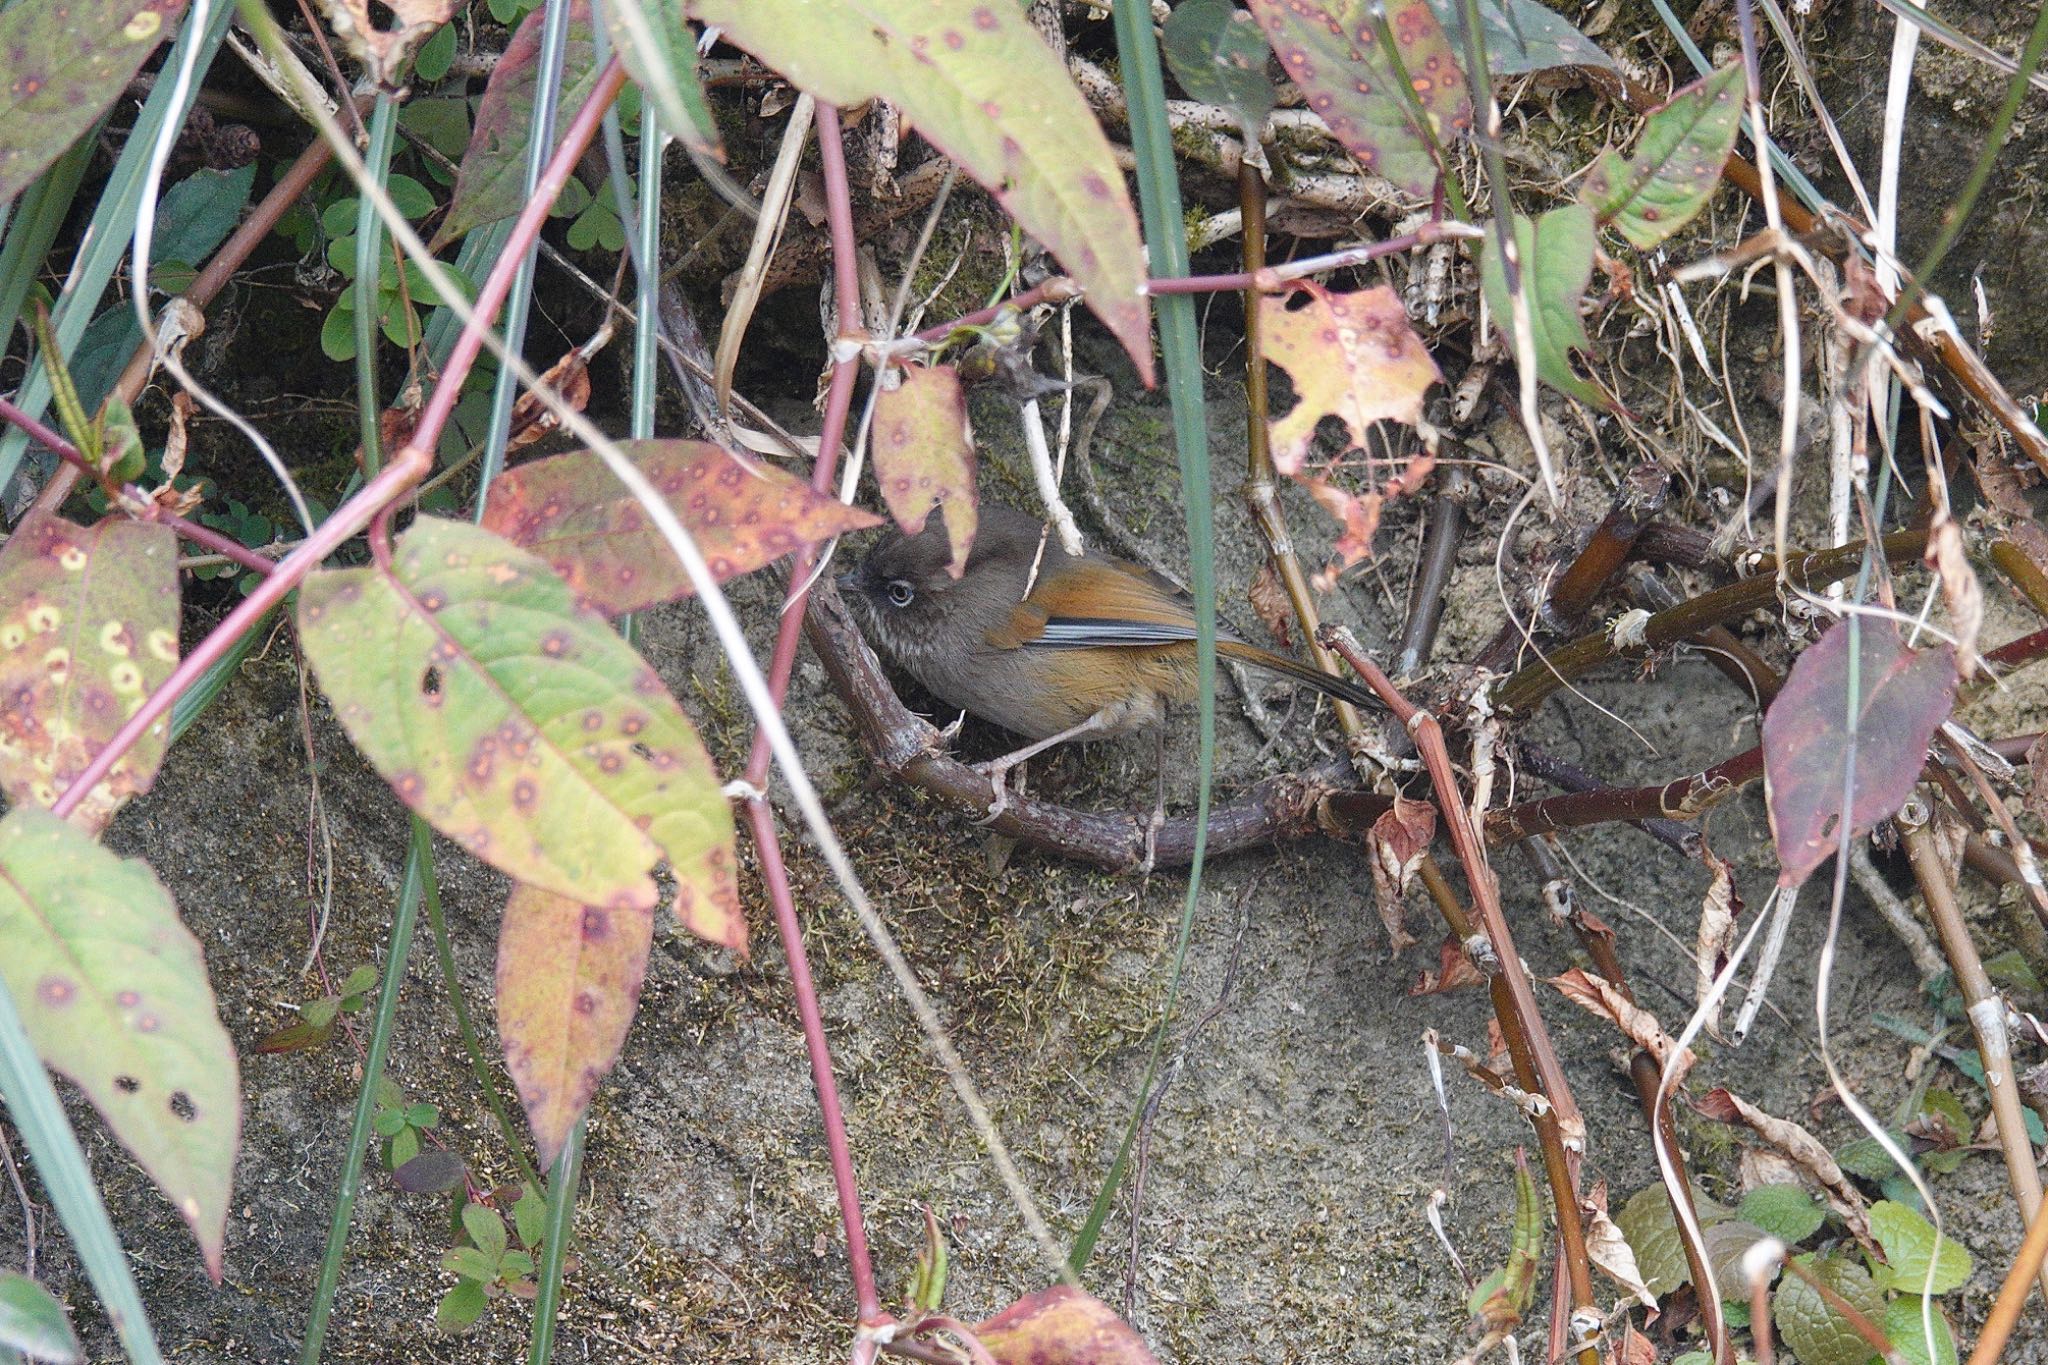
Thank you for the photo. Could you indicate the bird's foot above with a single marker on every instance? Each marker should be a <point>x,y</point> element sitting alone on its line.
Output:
<point>997,771</point>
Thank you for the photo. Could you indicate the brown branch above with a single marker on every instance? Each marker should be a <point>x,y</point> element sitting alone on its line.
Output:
<point>1322,800</point>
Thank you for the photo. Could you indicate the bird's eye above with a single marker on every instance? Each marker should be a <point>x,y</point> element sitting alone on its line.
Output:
<point>901,593</point>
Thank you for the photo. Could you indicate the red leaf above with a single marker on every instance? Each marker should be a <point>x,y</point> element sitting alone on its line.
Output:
<point>1454,971</point>
<point>1062,1326</point>
<point>924,453</point>
<point>569,510</point>
<point>569,977</point>
<point>1810,738</point>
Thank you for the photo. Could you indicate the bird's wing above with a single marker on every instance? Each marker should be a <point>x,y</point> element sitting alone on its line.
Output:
<point>1100,605</point>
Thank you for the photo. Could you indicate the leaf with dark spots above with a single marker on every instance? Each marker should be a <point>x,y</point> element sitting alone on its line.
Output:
<point>1333,50</point>
<point>572,512</point>
<point>1062,1326</point>
<point>1654,193</point>
<point>568,980</point>
<point>1858,707</point>
<point>60,67</point>
<point>924,453</point>
<point>976,79</point>
<point>88,629</point>
<point>546,746</point>
<point>490,183</point>
<point>112,990</point>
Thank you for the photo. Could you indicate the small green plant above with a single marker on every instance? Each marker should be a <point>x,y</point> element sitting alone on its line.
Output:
<point>400,1122</point>
<point>318,1018</point>
<point>486,1264</point>
<point>401,289</point>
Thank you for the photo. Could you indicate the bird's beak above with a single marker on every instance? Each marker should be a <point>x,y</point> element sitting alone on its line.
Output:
<point>848,581</point>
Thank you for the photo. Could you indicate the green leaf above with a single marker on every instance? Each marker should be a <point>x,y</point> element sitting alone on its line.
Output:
<point>1219,57</point>
<point>412,199</point>
<point>1814,1330</point>
<point>435,56</point>
<point>530,1216</point>
<point>1787,1212</point>
<point>360,983</point>
<point>338,330</point>
<point>1866,1156</point>
<point>1677,165</point>
<point>1907,1330</point>
<point>1556,253</point>
<point>516,721</point>
<point>1646,1222</point>
<point>1522,36</point>
<point>470,1264</point>
<point>2011,970</point>
<point>1389,118</point>
<point>491,182</point>
<point>420,1114</point>
<point>977,80</point>
<point>405,1145</point>
<point>660,51</point>
<point>112,989</point>
<point>1909,1242</point>
<point>60,67</point>
<point>486,1229</point>
<point>319,1014</point>
<point>442,123</point>
<point>121,453</point>
<point>460,1308</point>
<point>88,629</point>
<point>196,215</point>
<point>33,1322</point>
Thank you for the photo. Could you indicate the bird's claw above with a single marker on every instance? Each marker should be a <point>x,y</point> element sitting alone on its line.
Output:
<point>997,773</point>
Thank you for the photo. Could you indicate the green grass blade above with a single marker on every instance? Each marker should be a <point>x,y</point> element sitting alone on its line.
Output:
<point>369,272</point>
<point>193,703</point>
<point>647,265</point>
<point>419,869</point>
<point>33,228</point>
<point>1181,352</point>
<point>113,222</point>
<point>554,1247</point>
<point>33,1107</point>
<point>540,144</point>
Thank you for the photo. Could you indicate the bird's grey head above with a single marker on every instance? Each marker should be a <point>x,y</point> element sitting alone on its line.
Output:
<point>915,611</point>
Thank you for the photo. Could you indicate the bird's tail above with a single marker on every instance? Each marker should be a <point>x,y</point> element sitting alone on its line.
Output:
<point>1327,683</point>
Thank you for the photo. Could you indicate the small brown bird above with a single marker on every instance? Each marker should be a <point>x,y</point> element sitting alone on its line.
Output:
<point>1051,646</point>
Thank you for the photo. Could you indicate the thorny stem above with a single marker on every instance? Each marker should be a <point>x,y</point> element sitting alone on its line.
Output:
<point>1561,1129</point>
<point>1260,477</point>
<point>782,662</point>
<point>1687,798</point>
<point>1986,1012</point>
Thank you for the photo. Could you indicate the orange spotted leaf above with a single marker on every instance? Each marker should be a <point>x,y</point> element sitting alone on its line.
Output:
<point>1062,1326</point>
<point>924,453</point>
<point>112,990</point>
<point>88,629</point>
<point>513,719</point>
<point>1332,50</point>
<point>569,977</point>
<point>572,512</point>
<point>1351,356</point>
<point>976,79</point>
<point>1878,715</point>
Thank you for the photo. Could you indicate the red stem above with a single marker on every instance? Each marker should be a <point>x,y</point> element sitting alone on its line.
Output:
<point>190,530</point>
<point>781,663</point>
<point>353,515</point>
<point>405,469</point>
<point>1058,289</point>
